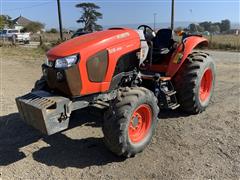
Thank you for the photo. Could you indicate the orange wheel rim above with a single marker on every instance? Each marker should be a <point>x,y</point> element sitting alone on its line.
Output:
<point>206,85</point>
<point>140,123</point>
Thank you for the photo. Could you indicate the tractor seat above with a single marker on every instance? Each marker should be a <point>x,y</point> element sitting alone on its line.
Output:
<point>163,42</point>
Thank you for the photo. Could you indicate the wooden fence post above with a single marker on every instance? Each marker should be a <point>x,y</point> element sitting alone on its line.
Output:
<point>13,40</point>
<point>40,40</point>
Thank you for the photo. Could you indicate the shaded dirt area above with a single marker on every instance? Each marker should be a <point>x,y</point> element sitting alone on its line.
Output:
<point>204,146</point>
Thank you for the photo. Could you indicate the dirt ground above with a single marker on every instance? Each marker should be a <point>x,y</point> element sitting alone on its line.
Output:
<point>204,146</point>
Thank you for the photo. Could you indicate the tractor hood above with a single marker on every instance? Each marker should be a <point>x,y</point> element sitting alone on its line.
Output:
<point>92,42</point>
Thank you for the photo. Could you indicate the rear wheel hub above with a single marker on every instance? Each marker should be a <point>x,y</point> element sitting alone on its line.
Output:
<point>205,85</point>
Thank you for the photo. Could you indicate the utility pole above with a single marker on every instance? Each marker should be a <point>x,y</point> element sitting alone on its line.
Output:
<point>60,20</point>
<point>154,21</point>
<point>172,16</point>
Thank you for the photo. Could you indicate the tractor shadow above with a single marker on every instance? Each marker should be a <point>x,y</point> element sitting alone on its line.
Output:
<point>171,114</point>
<point>65,152</point>
<point>62,150</point>
<point>14,134</point>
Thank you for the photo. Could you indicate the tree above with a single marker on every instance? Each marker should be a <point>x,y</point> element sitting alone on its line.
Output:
<point>89,17</point>
<point>33,27</point>
<point>5,21</point>
<point>195,28</point>
<point>225,25</point>
<point>192,27</point>
<point>178,29</point>
<point>200,28</point>
<point>53,30</point>
<point>206,25</point>
<point>214,28</point>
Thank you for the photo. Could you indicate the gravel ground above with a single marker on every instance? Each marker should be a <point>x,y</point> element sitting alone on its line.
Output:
<point>204,146</point>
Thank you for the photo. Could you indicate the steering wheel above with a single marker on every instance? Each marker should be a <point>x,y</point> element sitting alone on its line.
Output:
<point>148,31</point>
<point>145,27</point>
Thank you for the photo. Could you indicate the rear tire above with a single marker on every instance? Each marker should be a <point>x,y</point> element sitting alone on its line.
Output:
<point>130,121</point>
<point>195,82</point>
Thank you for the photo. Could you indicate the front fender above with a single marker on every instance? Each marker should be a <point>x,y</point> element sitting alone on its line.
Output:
<point>179,56</point>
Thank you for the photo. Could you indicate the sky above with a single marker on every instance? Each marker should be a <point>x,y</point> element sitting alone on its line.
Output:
<point>116,12</point>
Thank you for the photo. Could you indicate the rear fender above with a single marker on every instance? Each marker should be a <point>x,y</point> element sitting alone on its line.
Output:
<point>181,54</point>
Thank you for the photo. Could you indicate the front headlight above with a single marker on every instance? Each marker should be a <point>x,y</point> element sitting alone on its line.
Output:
<point>66,61</point>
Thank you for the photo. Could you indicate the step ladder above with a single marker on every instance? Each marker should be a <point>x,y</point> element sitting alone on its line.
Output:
<point>167,97</point>
<point>164,90</point>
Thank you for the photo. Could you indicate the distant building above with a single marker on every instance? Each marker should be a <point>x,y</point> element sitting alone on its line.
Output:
<point>20,22</point>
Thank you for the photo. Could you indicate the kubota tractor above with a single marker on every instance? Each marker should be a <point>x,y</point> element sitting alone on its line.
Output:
<point>135,72</point>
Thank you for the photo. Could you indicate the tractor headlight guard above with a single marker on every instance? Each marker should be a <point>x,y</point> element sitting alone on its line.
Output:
<point>49,63</point>
<point>66,62</point>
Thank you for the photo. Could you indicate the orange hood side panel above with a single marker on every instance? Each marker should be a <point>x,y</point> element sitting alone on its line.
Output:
<point>114,53</point>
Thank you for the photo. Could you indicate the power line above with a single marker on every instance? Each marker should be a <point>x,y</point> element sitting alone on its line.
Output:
<point>27,7</point>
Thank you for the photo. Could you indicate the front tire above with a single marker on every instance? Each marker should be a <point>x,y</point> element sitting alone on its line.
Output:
<point>195,82</point>
<point>131,121</point>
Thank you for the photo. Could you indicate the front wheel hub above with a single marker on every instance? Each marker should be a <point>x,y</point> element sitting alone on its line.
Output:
<point>140,123</point>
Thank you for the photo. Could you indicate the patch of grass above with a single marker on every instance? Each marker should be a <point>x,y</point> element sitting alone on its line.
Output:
<point>224,42</point>
<point>22,53</point>
<point>47,46</point>
<point>49,37</point>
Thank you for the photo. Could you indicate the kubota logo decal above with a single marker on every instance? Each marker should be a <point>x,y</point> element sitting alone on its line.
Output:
<point>113,50</point>
<point>123,35</point>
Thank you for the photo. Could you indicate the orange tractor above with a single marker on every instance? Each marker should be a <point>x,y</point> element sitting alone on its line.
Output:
<point>134,72</point>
